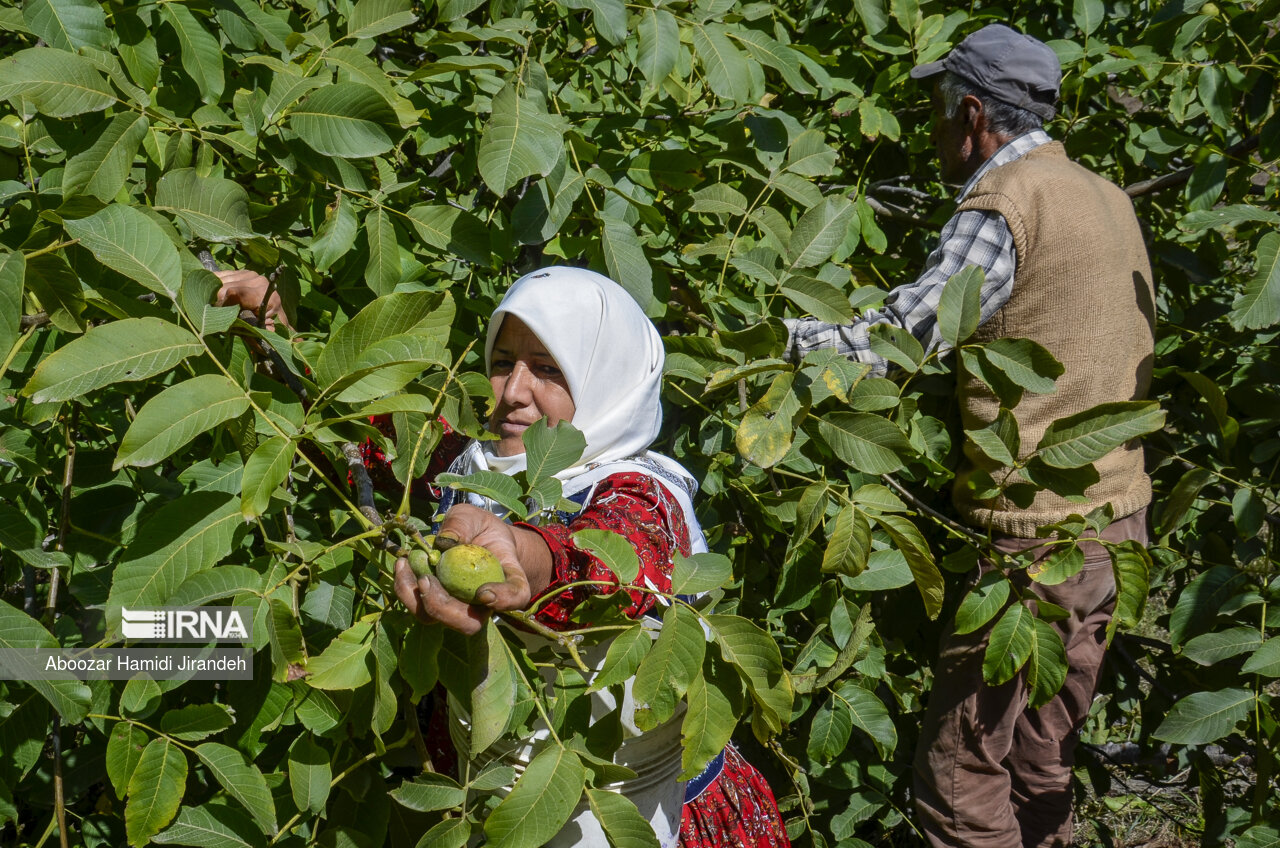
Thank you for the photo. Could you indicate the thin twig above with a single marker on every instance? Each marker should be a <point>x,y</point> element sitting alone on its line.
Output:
<point>909,496</point>
<point>64,516</point>
<point>59,801</point>
<point>691,315</point>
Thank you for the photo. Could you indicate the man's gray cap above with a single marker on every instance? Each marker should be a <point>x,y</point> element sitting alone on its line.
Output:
<point>1014,68</point>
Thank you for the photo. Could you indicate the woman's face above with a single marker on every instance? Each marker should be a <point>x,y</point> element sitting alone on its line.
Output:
<point>527,384</point>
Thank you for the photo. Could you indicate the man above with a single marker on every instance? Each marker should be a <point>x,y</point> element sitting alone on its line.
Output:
<point>1066,266</point>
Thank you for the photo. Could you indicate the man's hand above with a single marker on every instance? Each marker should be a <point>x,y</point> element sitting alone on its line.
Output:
<point>247,290</point>
<point>428,600</point>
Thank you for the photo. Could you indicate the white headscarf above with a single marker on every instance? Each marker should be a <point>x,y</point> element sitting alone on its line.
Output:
<point>608,350</point>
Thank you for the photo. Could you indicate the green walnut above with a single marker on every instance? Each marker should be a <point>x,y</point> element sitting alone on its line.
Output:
<point>420,562</point>
<point>464,568</point>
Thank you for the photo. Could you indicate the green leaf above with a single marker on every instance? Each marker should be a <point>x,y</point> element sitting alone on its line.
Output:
<point>830,731</point>
<point>768,427</point>
<point>1000,440</point>
<point>700,573</point>
<point>264,472</point>
<point>810,155</point>
<point>715,701</point>
<point>719,199</point>
<point>550,450</point>
<point>667,670</point>
<point>309,774</point>
<point>1265,661</point>
<point>385,366</point>
<point>1061,565</point>
<point>124,750</point>
<point>215,584</point>
<point>171,419</point>
<point>1258,306</point>
<point>1090,435</point>
<point>869,714</point>
<point>982,602</point>
<point>181,538</point>
<point>57,83</point>
<point>625,260</point>
<point>1226,216</point>
<point>658,37</point>
<point>1088,15</point>
<point>1209,648</point>
<point>21,633</point>
<point>347,119</point>
<point>914,547</point>
<point>211,825</point>
<point>66,24</point>
<point>521,140</point>
<point>818,298</point>
<point>196,721</point>
<point>540,803</point>
<point>819,232</point>
<point>12,271</point>
<point>727,72</point>
<point>201,54</point>
<point>370,18</point>
<point>242,780</point>
<point>609,17</point>
<point>627,650</point>
<point>613,551</point>
<point>960,308</point>
<point>493,694</point>
<point>155,790</point>
<point>867,442</point>
<point>428,793</point>
<point>756,656</point>
<point>1204,717</point>
<point>215,209</point>
<point>848,542</point>
<point>101,170</point>
<point>450,833</point>
<point>1028,365</point>
<point>346,663</point>
<point>59,291</point>
<point>382,273</point>
<point>452,229</point>
<point>126,240</point>
<point>623,824</point>
<point>1046,665</point>
<point>420,313</point>
<point>1009,645</point>
<point>337,234</point>
<point>493,485</point>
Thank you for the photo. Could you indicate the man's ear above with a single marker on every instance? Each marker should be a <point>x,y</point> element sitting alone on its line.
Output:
<point>974,115</point>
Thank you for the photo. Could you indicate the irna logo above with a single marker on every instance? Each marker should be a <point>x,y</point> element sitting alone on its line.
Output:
<point>207,624</point>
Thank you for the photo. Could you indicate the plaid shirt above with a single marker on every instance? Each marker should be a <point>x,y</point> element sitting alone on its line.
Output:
<point>973,237</point>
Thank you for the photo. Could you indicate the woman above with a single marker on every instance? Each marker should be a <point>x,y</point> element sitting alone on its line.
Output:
<point>572,345</point>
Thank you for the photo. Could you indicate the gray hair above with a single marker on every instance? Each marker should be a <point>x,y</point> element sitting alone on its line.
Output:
<point>1002,118</point>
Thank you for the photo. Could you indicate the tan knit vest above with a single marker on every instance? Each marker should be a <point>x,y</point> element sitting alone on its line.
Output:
<point>1083,290</point>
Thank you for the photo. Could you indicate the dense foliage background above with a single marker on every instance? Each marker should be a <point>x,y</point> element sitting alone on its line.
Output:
<point>396,166</point>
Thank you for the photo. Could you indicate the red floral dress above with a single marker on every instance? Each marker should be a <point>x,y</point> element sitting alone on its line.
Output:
<point>734,809</point>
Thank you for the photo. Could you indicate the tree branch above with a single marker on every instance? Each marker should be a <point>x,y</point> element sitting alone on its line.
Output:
<point>1177,178</point>
<point>364,486</point>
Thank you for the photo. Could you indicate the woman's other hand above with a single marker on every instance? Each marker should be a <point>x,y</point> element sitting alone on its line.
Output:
<point>523,555</point>
<point>247,290</point>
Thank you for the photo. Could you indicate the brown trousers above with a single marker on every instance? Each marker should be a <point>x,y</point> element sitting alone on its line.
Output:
<point>989,771</point>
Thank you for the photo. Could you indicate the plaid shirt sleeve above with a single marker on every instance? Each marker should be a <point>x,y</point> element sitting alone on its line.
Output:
<point>972,237</point>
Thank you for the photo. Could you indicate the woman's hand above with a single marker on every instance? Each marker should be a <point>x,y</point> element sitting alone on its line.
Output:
<point>247,290</point>
<point>523,555</point>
